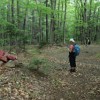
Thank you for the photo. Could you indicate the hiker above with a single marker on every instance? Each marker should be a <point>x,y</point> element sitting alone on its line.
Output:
<point>88,42</point>
<point>5,57</point>
<point>72,54</point>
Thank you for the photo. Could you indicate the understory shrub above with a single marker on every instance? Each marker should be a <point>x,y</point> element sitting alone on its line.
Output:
<point>39,64</point>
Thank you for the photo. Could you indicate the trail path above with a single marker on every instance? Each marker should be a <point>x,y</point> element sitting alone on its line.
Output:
<point>59,83</point>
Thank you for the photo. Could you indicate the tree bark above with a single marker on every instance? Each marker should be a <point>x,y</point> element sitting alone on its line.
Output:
<point>52,23</point>
<point>18,14</point>
<point>47,23</point>
<point>12,9</point>
<point>64,24</point>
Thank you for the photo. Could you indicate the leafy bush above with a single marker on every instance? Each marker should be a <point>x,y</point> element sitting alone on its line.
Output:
<point>98,55</point>
<point>40,65</point>
<point>35,63</point>
<point>42,44</point>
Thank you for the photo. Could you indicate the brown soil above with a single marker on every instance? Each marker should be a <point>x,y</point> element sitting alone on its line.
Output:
<point>58,83</point>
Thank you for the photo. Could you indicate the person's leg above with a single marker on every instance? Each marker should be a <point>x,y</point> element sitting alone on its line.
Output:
<point>74,64</point>
<point>72,60</point>
<point>3,63</point>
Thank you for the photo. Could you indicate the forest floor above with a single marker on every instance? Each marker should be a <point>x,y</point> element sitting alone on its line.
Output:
<point>53,81</point>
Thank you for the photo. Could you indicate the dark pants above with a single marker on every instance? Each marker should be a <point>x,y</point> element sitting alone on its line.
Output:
<point>72,59</point>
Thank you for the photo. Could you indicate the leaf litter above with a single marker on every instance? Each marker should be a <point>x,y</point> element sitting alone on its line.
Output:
<point>21,84</point>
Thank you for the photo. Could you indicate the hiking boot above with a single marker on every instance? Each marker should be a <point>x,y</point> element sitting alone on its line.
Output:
<point>72,70</point>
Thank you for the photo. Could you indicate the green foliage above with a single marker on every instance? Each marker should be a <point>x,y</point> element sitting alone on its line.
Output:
<point>98,40</point>
<point>98,55</point>
<point>42,44</point>
<point>11,28</point>
<point>35,63</point>
<point>39,64</point>
<point>33,50</point>
<point>70,20</point>
<point>35,11</point>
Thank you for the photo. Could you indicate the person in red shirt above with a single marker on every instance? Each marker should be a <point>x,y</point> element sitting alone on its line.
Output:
<point>5,57</point>
<point>72,57</point>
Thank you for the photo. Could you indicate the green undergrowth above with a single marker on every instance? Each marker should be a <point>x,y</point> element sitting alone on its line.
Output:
<point>39,64</point>
<point>34,51</point>
<point>98,55</point>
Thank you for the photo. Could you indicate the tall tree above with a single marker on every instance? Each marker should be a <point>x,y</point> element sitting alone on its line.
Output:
<point>52,23</point>
<point>12,9</point>
<point>25,16</point>
<point>64,24</point>
<point>18,14</point>
<point>47,23</point>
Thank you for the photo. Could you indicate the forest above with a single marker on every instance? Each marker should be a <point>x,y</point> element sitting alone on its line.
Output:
<point>48,21</point>
<point>38,33</point>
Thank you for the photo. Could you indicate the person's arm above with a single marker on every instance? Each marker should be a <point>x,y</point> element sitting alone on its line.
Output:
<point>71,48</point>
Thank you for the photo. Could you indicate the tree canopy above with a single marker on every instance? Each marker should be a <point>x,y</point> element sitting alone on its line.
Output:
<point>48,21</point>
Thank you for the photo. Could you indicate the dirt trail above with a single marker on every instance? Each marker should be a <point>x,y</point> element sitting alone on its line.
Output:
<point>59,83</point>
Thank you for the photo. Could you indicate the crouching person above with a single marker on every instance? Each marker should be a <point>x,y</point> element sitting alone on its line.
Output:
<point>5,57</point>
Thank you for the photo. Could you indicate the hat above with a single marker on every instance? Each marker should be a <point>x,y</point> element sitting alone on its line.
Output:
<point>72,40</point>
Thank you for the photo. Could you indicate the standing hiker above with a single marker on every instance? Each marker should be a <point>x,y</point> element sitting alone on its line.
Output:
<point>74,50</point>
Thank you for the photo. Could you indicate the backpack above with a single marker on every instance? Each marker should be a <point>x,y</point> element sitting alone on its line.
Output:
<point>76,49</point>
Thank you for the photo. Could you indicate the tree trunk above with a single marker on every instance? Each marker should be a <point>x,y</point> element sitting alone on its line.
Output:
<point>24,26</point>
<point>58,14</point>
<point>40,23</point>
<point>8,12</point>
<point>52,23</point>
<point>64,24</point>
<point>18,13</point>
<point>47,23</point>
<point>12,9</point>
<point>40,27</point>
